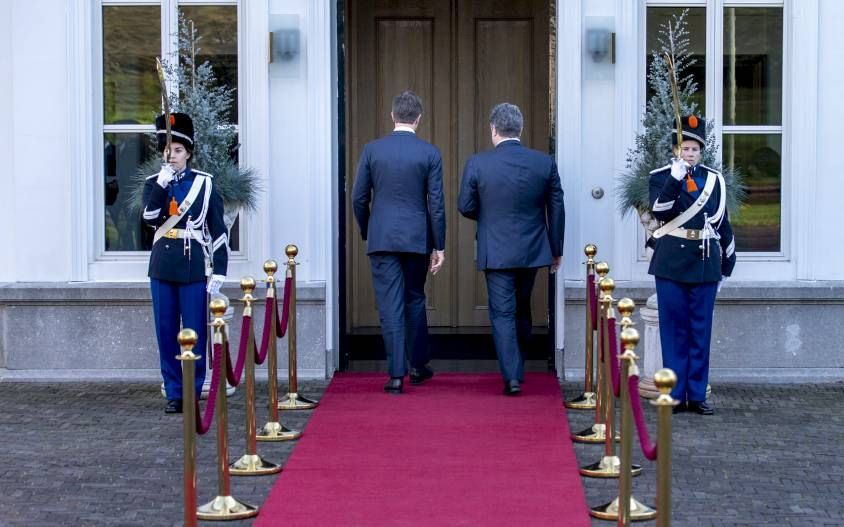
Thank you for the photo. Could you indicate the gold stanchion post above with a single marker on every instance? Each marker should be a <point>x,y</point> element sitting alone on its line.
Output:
<point>596,433</point>
<point>224,506</point>
<point>273,430</point>
<point>250,464</point>
<point>293,400</point>
<point>665,380</point>
<point>609,465</point>
<point>625,508</point>
<point>586,400</point>
<point>187,340</point>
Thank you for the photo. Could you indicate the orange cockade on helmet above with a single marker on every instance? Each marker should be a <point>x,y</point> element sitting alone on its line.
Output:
<point>693,121</point>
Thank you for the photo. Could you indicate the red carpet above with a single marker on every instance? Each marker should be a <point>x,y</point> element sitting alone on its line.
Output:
<point>454,451</point>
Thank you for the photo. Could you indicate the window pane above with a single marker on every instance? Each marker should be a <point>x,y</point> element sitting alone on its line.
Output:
<point>753,65</point>
<point>696,27</point>
<point>123,154</point>
<point>131,41</point>
<point>759,157</point>
<point>217,28</point>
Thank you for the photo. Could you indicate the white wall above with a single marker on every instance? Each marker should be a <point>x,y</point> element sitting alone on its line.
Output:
<point>8,234</point>
<point>829,240</point>
<point>39,120</point>
<point>301,176</point>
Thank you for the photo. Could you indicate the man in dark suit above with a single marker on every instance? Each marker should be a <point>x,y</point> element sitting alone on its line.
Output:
<point>401,175</point>
<point>514,194</point>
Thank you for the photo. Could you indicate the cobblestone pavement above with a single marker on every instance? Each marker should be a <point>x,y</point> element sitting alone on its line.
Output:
<point>106,454</point>
<point>771,455</point>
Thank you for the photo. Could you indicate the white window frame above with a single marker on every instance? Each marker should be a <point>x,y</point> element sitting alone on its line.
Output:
<point>132,265</point>
<point>779,265</point>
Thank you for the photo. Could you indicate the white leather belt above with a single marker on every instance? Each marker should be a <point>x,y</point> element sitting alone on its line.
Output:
<point>688,234</point>
<point>179,234</point>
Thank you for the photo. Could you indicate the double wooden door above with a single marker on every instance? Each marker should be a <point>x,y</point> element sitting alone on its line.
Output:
<point>461,57</point>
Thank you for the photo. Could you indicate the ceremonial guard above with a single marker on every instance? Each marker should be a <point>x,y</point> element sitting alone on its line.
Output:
<point>189,252</point>
<point>694,252</point>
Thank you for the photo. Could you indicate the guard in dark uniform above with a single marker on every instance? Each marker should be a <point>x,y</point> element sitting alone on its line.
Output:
<point>694,252</point>
<point>189,252</point>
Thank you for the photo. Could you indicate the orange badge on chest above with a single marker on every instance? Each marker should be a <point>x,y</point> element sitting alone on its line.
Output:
<point>174,207</point>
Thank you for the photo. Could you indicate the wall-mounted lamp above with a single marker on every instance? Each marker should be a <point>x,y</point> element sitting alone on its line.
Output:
<point>598,48</point>
<point>599,44</point>
<point>284,45</point>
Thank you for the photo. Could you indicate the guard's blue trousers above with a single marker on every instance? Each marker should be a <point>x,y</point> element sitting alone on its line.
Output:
<point>685,332</point>
<point>176,305</point>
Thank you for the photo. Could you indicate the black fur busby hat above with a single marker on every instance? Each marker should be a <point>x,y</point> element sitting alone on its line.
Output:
<point>181,130</point>
<point>693,128</point>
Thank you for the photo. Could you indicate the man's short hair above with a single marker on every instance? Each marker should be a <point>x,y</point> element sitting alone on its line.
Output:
<point>507,120</point>
<point>407,106</point>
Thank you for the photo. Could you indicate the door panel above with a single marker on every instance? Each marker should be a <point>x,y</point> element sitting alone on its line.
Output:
<point>398,46</point>
<point>461,57</point>
<point>503,57</point>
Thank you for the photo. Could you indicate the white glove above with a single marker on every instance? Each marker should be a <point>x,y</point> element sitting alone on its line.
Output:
<point>165,176</point>
<point>215,283</point>
<point>721,283</point>
<point>679,168</point>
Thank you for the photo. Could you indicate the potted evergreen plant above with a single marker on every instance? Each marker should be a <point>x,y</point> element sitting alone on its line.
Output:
<point>199,94</point>
<point>653,144</point>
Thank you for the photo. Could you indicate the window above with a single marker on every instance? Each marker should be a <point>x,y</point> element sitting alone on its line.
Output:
<point>132,37</point>
<point>747,107</point>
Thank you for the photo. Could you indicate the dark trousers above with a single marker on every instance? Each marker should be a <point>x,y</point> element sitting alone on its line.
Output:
<point>685,332</point>
<point>399,283</point>
<point>176,305</point>
<point>509,292</point>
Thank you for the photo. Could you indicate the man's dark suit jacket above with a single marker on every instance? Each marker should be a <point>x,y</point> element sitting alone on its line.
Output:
<point>402,176</point>
<point>514,193</point>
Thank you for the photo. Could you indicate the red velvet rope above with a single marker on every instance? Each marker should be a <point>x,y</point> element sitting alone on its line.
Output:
<point>281,328</point>
<point>269,308</point>
<point>234,375</point>
<point>649,449</point>
<point>613,358</point>
<point>593,300</point>
<point>204,423</point>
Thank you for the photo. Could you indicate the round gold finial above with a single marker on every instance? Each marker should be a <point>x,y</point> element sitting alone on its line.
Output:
<point>626,306</point>
<point>591,250</point>
<point>247,284</point>
<point>602,268</point>
<point>606,285</point>
<point>217,307</point>
<point>270,267</point>
<point>187,338</point>
<point>291,251</point>
<point>665,380</point>
<point>630,338</point>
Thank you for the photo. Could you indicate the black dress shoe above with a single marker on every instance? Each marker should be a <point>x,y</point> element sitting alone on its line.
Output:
<point>680,408</point>
<point>420,375</point>
<point>394,385</point>
<point>174,406</point>
<point>512,387</point>
<point>701,407</point>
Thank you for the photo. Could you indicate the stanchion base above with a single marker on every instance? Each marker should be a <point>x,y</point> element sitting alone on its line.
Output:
<point>294,401</point>
<point>638,511</point>
<point>277,432</point>
<point>594,434</point>
<point>607,467</point>
<point>584,401</point>
<point>226,508</point>
<point>253,465</point>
